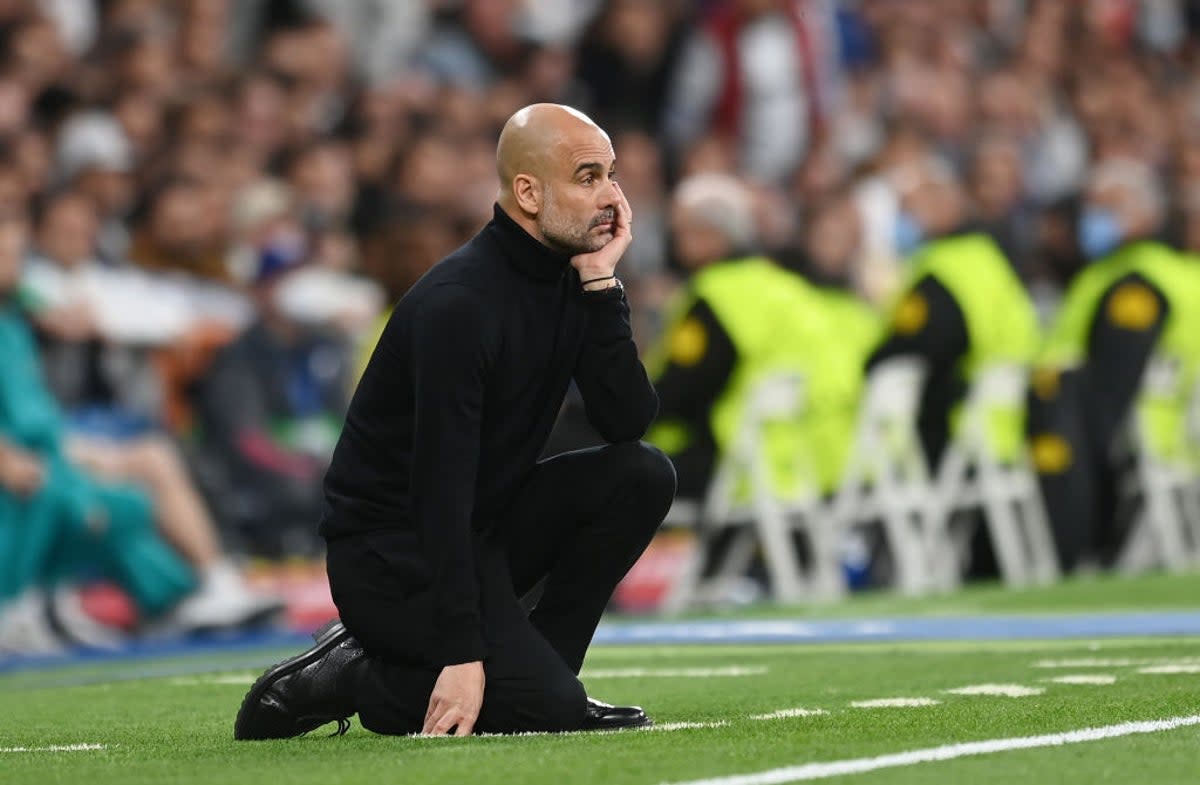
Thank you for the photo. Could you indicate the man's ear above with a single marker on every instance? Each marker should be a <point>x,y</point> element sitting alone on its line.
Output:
<point>527,190</point>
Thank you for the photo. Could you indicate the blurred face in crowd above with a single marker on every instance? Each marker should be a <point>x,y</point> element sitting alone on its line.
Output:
<point>262,113</point>
<point>428,174</point>
<point>933,203</point>
<point>638,29</point>
<point>14,106</point>
<point>1113,211</point>
<point>641,164</point>
<point>140,114</point>
<point>323,178</point>
<point>13,192</point>
<point>114,191</point>
<point>831,240</point>
<point>996,183</point>
<point>149,64</point>
<point>13,238</point>
<point>696,242</point>
<point>67,231</point>
<point>31,152</point>
<point>37,53</point>
<point>492,23</point>
<point>182,222</point>
<point>822,171</point>
<point>713,217</point>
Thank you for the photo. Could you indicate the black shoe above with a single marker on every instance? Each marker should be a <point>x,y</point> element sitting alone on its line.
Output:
<point>602,716</point>
<point>302,693</point>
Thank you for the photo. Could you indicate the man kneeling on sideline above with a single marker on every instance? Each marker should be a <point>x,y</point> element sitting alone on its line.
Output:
<point>439,518</point>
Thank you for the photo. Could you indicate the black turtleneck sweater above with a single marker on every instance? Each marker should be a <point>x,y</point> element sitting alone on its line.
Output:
<point>458,400</point>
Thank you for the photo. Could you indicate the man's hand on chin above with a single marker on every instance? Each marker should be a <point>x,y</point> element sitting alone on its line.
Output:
<point>602,264</point>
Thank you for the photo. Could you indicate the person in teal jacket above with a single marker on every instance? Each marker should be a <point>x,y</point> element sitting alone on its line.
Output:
<point>56,520</point>
<point>59,520</point>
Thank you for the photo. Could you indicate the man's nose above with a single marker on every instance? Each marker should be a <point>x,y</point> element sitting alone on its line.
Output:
<point>608,196</point>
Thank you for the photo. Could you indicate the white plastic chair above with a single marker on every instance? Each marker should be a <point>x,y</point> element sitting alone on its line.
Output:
<point>886,477</point>
<point>1165,531</point>
<point>763,520</point>
<point>971,476</point>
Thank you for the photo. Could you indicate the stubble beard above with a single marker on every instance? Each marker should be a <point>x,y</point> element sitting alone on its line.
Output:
<point>567,237</point>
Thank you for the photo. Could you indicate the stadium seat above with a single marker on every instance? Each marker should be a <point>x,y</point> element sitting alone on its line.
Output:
<point>742,496</point>
<point>977,474</point>
<point>1161,487</point>
<point>886,477</point>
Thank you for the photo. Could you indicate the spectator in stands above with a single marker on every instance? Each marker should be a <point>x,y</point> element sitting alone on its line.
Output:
<point>626,64</point>
<point>93,155</point>
<point>69,509</point>
<point>94,319</point>
<point>751,71</point>
<point>271,405</point>
<point>181,233</point>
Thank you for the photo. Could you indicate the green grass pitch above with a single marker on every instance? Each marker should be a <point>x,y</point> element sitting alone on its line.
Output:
<point>721,710</point>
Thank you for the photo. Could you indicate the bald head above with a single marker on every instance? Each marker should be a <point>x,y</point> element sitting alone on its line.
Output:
<point>556,170</point>
<point>534,135</point>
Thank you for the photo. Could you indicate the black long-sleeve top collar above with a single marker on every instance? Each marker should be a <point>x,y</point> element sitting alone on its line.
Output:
<point>525,252</point>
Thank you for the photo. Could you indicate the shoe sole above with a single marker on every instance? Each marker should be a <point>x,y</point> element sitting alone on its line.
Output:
<point>327,639</point>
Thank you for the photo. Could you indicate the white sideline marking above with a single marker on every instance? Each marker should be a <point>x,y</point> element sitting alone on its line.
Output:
<point>1171,668</point>
<point>675,673</point>
<point>1122,662</point>
<point>788,713</point>
<point>670,726</point>
<point>817,771</point>
<point>1085,678</point>
<point>206,681</point>
<point>1004,690</point>
<point>57,748</point>
<point>894,703</point>
<point>665,727</point>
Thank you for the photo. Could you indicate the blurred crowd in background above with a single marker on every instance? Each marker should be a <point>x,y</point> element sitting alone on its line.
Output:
<point>212,203</point>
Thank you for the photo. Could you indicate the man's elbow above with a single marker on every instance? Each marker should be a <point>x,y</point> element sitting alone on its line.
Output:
<point>631,425</point>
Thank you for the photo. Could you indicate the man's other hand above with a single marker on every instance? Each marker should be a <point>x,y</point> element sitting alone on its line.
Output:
<point>456,700</point>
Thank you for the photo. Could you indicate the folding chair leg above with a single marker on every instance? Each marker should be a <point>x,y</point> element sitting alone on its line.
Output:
<point>1190,504</point>
<point>826,578</point>
<point>1139,552</point>
<point>1002,524</point>
<point>682,593</point>
<point>1163,517</point>
<point>906,543</point>
<point>1043,554</point>
<point>734,564</point>
<point>783,563</point>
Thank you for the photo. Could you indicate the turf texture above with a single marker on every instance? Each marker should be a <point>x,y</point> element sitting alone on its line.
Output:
<point>178,728</point>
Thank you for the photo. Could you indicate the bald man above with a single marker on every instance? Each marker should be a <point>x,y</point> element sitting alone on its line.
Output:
<point>439,519</point>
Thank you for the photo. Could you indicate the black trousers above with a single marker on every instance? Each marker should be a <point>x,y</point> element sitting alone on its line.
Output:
<point>579,524</point>
<point>1080,494</point>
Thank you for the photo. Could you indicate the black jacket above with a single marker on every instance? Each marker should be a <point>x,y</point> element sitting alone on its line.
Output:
<point>459,399</point>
